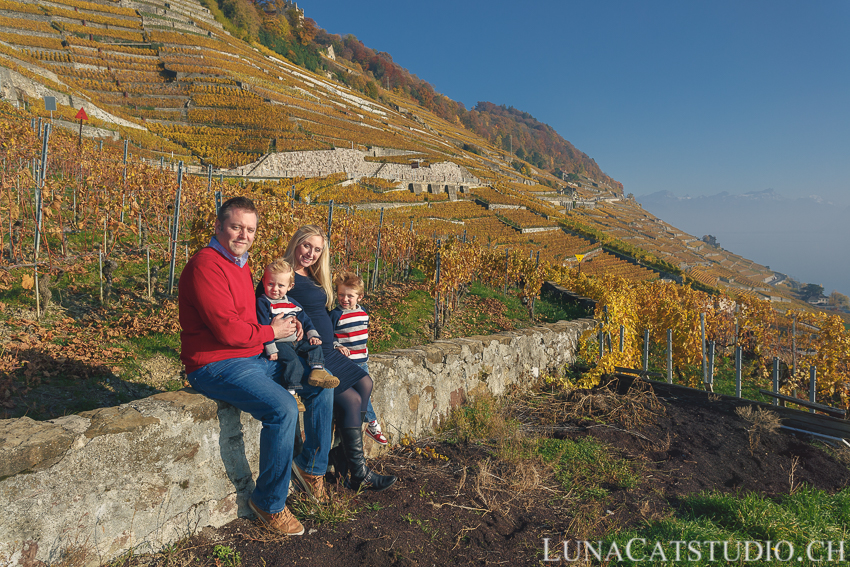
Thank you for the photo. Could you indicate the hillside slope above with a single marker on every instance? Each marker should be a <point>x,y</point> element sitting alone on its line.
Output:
<point>171,79</point>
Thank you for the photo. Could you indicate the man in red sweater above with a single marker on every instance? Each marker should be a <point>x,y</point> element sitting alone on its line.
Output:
<point>222,346</point>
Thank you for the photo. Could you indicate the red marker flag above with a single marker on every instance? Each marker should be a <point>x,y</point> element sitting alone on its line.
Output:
<point>81,115</point>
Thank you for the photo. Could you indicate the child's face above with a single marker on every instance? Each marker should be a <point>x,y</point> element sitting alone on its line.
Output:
<point>276,285</point>
<point>348,297</point>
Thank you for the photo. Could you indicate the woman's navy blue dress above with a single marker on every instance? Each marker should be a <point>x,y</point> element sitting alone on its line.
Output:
<point>313,298</point>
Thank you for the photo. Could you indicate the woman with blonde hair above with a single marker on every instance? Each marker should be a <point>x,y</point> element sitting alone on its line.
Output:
<point>308,254</point>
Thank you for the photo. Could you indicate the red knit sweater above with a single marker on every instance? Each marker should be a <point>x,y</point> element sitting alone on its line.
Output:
<point>218,311</point>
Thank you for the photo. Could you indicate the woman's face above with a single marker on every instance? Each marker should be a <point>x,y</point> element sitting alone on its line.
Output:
<point>309,251</point>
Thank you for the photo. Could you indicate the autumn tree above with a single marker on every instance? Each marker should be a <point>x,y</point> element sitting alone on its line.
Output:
<point>812,291</point>
<point>839,300</point>
<point>243,15</point>
<point>305,28</point>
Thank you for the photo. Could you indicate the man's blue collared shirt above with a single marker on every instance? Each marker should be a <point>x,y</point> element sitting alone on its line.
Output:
<point>238,260</point>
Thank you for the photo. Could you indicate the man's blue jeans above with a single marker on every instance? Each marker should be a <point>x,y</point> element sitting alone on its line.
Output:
<point>318,430</point>
<point>253,385</point>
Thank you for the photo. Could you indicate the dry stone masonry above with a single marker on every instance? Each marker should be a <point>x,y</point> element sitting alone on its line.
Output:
<point>145,474</point>
<point>352,162</point>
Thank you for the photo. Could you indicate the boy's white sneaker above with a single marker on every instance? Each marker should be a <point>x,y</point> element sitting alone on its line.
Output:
<point>373,430</point>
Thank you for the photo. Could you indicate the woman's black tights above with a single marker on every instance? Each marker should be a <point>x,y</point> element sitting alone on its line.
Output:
<point>351,404</point>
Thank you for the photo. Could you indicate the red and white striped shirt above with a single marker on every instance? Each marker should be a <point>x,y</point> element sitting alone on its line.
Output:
<point>351,330</point>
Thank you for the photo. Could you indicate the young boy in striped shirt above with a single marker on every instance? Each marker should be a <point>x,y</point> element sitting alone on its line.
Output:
<point>351,335</point>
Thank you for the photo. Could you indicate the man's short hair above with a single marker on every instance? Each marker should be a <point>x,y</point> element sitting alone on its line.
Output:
<point>243,203</point>
<point>350,279</point>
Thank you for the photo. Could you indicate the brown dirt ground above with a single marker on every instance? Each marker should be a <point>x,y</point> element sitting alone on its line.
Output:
<point>471,511</point>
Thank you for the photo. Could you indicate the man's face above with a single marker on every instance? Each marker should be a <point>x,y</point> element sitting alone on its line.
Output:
<point>237,231</point>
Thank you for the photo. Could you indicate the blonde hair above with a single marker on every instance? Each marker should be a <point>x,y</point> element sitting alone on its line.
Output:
<point>279,266</point>
<point>350,279</point>
<point>320,271</point>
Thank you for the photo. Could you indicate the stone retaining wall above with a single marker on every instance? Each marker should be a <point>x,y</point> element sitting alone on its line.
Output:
<point>144,474</point>
<point>317,163</point>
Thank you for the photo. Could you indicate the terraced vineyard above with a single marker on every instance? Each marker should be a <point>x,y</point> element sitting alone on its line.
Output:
<point>167,77</point>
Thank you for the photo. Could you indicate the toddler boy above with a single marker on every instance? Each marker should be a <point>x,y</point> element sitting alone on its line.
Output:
<point>278,279</point>
<point>351,334</point>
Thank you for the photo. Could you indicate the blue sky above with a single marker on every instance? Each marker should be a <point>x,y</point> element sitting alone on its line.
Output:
<point>692,98</point>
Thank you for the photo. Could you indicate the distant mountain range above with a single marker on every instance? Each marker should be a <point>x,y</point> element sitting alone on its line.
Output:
<point>802,236</point>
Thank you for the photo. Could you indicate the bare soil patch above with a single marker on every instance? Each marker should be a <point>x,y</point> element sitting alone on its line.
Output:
<point>474,510</point>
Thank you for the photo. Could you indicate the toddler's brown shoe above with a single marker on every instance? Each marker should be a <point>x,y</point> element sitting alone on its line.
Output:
<point>321,378</point>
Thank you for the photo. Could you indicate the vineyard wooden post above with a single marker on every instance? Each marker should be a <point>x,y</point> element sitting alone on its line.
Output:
<point>330,220</point>
<point>12,255</point>
<point>124,187</point>
<point>702,344</point>
<point>437,295</point>
<point>536,266</point>
<point>148,261</point>
<point>100,272</point>
<point>738,361</point>
<point>794,346</point>
<point>209,178</point>
<point>377,253</point>
<point>775,379</point>
<point>601,339</point>
<point>217,202</point>
<point>39,186</point>
<point>813,382</point>
<point>175,227</point>
<point>506,272</point>
<point>669,356</point>
<point>646,350</point>
<point>37,298</point>
<point>709,384</point>
<point>622,337</point>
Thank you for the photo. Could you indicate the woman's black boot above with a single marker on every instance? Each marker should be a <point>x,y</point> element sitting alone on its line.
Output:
<point>362,477</point>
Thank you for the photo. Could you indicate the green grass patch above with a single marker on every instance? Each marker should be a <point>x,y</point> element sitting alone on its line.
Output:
<point>481,311</point>
<point>586,467</point>
<point>724,373</point>
<point>807,520</point>
<point>481,418</point>
<point>407,326</point>
<point>550,310</point>
<point>342,508</point>
<point>136,368</point>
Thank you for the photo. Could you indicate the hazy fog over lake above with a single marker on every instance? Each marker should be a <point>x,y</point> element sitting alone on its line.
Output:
<point>806,238</point>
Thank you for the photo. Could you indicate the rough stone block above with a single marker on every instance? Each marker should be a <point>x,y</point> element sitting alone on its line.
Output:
<point>27,445</point>
<point>145,474</point>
